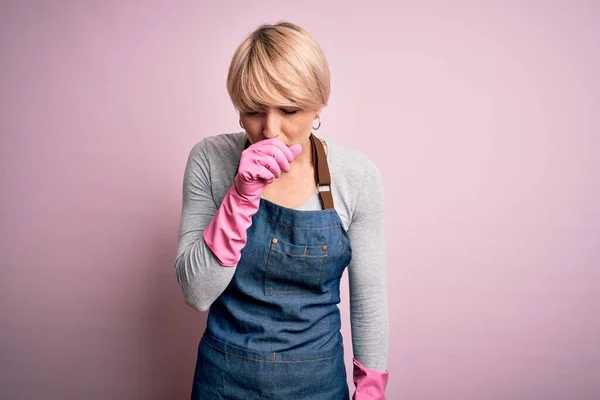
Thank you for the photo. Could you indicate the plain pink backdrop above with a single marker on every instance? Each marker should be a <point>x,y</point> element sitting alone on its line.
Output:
<point>483,118</point>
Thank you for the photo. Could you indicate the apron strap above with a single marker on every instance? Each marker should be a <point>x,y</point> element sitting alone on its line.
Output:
<point>322,175</point>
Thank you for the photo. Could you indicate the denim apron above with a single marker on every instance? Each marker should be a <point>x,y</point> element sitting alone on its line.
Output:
<point>274,333</point>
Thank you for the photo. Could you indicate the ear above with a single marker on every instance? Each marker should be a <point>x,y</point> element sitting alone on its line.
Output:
<point>318,112</point>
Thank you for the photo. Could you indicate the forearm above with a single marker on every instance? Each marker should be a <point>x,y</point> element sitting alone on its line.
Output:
<point>370,327</point>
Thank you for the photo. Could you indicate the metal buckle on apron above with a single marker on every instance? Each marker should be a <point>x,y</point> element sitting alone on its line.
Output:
<point>324,188</point>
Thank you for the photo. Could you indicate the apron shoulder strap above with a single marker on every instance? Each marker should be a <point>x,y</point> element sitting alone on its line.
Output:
<point>322,176</point>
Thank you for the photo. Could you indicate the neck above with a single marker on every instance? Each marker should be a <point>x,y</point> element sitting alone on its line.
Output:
<point>304,159</point>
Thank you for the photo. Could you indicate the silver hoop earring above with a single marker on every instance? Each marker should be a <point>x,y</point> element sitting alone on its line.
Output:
<point>318,126</point>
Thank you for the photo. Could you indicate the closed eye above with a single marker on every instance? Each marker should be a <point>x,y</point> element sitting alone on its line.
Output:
<point>286,111</point>
<point>289,111</point>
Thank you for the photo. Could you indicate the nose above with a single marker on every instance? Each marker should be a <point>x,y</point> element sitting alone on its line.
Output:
<point>271,124</point>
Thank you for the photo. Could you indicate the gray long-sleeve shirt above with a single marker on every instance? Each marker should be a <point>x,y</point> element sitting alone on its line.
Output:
<point>358,196</point>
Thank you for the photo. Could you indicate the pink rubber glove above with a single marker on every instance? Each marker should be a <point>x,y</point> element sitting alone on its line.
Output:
<point>370,384</point>
<point>260,164</point>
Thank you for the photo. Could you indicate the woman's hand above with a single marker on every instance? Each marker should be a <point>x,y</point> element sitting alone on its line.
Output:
<point>261,164</point>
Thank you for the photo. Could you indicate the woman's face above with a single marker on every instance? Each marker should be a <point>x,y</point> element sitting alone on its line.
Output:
<point>291,125</point>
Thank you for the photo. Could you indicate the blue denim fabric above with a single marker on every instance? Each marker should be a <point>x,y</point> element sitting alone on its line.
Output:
<point>274,333</point>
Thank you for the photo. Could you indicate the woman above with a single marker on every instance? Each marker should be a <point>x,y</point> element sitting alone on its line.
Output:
<point>271,218</point>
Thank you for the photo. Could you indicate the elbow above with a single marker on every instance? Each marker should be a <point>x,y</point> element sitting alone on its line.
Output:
<point>190,294</point>
<point>196,303</point>
<point>192,298</point>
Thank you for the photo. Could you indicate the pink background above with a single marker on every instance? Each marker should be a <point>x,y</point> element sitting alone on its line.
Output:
<point>483,118</point>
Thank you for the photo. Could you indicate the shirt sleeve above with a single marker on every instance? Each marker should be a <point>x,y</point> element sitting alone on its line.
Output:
<point>366,273</point>
<point>200,275</point>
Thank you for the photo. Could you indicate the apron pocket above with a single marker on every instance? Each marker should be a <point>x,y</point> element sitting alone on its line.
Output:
<point>294,268</point>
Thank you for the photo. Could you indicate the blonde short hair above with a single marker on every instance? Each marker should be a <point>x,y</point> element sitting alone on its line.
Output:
<point>278,65</point>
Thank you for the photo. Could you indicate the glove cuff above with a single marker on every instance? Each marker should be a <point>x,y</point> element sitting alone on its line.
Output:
<point>370,384</point>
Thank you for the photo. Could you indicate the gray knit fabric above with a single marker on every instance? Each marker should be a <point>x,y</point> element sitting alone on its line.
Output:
<point>357,191</point>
